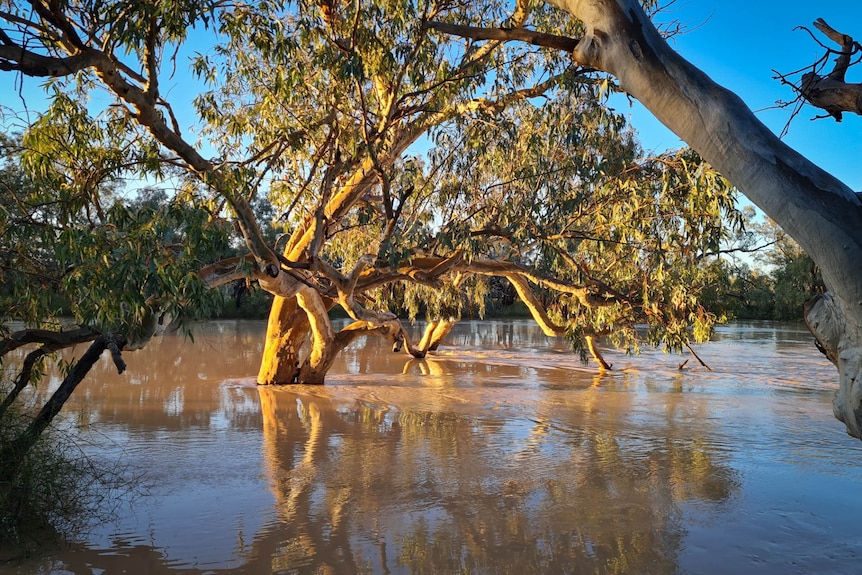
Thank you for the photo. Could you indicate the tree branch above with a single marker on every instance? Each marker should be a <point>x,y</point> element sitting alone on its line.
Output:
<point>564,43</point>
<point>17,59</point>
<point>55,339</point>
<point>848,48</point>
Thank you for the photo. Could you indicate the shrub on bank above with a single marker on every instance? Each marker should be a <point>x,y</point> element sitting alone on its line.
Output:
<point>54,491</point>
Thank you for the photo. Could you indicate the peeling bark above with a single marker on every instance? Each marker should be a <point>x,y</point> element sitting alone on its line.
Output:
<point>826,317</point>
<point>833,96</point>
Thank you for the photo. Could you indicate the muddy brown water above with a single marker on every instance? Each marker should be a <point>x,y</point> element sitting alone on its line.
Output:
<point>502,453</point>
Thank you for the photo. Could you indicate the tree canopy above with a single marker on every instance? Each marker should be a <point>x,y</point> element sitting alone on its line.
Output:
<point>327,110</point>
<point>823,215</point>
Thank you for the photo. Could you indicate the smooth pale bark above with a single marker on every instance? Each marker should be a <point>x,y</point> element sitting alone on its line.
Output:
<point>281,349</point>
<point>435,336</point>
<point>816,209</point>
<point>429,270</point>
<point>540,316</point>
<point>594,351</point>
<point>537,310</point>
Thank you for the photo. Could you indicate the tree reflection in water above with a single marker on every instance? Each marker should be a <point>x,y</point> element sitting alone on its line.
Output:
<point>483,458</point>
<point>385,479</point>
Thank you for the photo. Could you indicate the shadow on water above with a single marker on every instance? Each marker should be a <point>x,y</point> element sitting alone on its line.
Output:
<point>500,454</point>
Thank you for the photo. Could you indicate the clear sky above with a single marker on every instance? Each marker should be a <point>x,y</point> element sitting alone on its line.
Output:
<point>739,44</point>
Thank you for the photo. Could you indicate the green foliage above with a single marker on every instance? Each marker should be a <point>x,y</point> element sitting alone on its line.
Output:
<point>786,280</point>
<point>244,301</point>
<point>796,278</point>
<point>72,245</point>
<point>563,188</point>
<point>303,92</point>
<point>327,110</point>
<point>466,295</point>
<point>54,489</point>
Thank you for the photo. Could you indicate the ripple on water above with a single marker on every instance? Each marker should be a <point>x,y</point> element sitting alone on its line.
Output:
<point>502,455</point>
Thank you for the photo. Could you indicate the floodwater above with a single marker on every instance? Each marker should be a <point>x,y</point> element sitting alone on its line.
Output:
<point>500,454</point>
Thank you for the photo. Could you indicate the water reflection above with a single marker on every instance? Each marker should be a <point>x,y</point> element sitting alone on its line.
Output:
<point>501,453</point>
<point>367,486</point>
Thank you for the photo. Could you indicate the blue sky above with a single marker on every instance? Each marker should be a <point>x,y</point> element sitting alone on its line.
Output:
<point>739,44</point>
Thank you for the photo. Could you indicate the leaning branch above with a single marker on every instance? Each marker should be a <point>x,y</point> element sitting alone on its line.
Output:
<point>848,48</point>
<point>24,376</point>
<point>15,449</point>
<point>54,339</point>
<point>17,59</point>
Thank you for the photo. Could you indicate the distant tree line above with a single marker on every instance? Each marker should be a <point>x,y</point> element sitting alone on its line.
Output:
<point>772,284</point>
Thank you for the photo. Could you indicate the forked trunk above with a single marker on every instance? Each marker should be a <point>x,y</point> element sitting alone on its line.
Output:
<point>434,334</point>
<point>299,345</point>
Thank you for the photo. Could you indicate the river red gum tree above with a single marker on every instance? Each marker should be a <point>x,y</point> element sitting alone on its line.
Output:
<point>318,106</point>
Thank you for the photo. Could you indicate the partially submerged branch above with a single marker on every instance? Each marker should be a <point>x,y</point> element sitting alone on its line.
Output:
<point>16,449</point>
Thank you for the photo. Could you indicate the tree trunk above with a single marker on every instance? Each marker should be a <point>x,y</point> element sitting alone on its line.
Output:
<point>287,330</point>
<point>323,348</point>
<point>823,215</point>
<point>441,330</point>
<point>18,448</point>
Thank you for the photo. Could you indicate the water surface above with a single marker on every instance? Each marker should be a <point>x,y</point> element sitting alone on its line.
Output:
<point>500,454</point>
